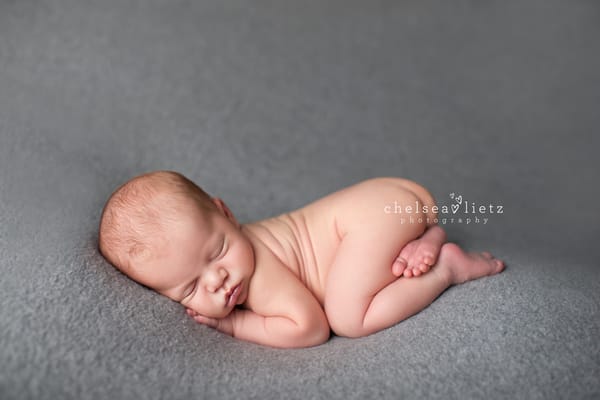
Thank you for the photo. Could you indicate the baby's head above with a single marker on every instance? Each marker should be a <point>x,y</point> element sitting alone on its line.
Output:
<point>166,233</point>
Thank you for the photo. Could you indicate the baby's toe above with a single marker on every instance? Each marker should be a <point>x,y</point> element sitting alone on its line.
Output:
<point>399,266</point>
<point>499,265</point>
<point>424,267</point>
<point>428,259</point>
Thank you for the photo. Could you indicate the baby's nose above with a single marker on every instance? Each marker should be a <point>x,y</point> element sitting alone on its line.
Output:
<point>216,279</point>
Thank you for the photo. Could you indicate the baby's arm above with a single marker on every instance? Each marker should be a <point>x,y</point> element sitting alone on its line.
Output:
<point>282,312</point>
<point>276,331</point>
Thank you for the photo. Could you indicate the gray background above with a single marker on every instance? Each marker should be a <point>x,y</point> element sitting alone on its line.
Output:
<point>271,104</point>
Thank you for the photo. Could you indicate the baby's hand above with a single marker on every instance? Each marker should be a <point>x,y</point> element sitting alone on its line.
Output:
<point>224,325</point>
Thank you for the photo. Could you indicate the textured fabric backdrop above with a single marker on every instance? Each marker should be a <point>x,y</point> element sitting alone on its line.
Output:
<point>272,104</point>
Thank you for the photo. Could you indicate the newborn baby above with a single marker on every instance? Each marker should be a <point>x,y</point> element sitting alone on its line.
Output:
<point>341,263</point>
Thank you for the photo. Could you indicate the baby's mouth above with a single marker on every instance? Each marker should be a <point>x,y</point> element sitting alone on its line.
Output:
<point>232,295</point>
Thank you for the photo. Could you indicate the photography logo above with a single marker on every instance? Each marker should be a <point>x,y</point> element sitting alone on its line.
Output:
<point>460,211</point>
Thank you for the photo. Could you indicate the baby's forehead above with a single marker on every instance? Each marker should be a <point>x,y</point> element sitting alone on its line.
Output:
<point>151,199</point>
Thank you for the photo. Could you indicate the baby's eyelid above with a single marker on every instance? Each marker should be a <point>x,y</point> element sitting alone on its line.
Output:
<point>192,290</point>
<point>219,249</point>
<point>222,250</point>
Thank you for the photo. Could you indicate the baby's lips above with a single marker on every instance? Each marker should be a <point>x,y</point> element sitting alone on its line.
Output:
<point>232,294</point>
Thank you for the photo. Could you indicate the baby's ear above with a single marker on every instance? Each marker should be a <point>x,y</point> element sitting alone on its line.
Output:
<point>224,209</point>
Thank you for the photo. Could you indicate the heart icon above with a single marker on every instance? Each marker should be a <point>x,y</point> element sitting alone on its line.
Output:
<point>458,199</point>
<point>452,195</point>
<point>454,208</point>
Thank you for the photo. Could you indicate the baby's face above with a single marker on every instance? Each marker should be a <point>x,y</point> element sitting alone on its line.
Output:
<point>206,264</point>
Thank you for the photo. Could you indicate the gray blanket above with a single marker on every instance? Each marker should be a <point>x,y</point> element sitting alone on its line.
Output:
<point>270,105</point>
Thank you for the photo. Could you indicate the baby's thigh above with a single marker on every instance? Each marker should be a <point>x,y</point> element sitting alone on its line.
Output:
<point>362,267</point>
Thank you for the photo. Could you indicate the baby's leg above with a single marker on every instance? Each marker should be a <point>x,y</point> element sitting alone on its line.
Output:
<point>418,256</point>
<point>403,298</point>
<point>406,297</point>
<point>363,263</point>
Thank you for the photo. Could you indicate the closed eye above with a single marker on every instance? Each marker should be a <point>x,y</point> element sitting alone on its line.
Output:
<point>221,250</point>
<point>190,291</point>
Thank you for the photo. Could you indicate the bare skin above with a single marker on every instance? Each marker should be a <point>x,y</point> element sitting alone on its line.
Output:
<point>418,256</point>
<point>454,266</point>
<point>346,263</point>
<point>463,266</point>
<point>350,269</point>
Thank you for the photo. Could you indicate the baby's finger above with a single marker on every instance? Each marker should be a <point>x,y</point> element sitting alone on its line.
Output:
<point>191,312</point>
<point>213,323</point>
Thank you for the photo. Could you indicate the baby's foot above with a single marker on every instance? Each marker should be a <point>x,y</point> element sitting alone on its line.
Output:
<point>418,256</point>
<point>462,267</point>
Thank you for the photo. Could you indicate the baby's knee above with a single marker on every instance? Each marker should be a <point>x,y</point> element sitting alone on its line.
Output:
<point>342,324</point>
